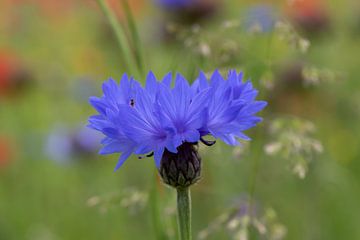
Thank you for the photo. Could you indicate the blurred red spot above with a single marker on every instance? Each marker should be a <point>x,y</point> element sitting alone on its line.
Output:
<point>5,152</point>
<point>14,76</point>
<point>310,15</point>
<point>306,8</point>
<point>7,68</point>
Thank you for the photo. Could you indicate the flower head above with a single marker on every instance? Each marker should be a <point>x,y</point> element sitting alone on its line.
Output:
<point>159,118</point>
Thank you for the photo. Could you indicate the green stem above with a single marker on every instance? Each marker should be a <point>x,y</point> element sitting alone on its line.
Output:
<point>253,185</point>
<point>156,219</point>
<point>134,36</point>
<point>184,213</point>
<point>119,33</point>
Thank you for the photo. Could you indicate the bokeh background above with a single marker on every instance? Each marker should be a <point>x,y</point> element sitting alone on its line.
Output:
<point>299,178</point>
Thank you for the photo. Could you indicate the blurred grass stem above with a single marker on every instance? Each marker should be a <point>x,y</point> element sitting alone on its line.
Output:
<point>156,219</point>
<point>256,165</point>
<point>137,49</point>
<point>120,35</point>
<point>184,213</point>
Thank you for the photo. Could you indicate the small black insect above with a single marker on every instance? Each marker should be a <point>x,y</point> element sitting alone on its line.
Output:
<point>132,102</point>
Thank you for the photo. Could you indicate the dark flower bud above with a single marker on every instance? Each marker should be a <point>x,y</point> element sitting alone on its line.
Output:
<point>181,169</point>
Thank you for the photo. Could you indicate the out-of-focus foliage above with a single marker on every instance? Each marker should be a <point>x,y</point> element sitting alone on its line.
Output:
<point>246,221</point>
<point>292,140</point>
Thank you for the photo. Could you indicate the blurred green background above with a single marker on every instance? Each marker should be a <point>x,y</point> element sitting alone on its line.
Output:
<point>301,171</point>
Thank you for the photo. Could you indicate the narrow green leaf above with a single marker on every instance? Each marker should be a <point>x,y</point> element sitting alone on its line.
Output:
<point>120,36</point>
<point>134,36</point>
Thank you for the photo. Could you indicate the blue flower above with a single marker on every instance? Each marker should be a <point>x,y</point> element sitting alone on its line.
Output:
<point>147,120</point>
<point>261,17</point>
<point>175,4</point>
<point>65,144</point>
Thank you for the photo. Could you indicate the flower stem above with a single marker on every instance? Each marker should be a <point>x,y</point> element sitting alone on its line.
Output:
<point>184,213</point>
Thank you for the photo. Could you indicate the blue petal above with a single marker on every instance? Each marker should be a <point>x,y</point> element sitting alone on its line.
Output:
<point>124,156</point>
<point>166,102</point>
<point>112,147</point>
<point>181,94</point>
<point>110,90</point>
<point>233,78</point>
<point>143,149</point>
<point>171,147</point>
<point>229,139</point>
<point>157,156</point>
<point>192,136</point>
<point>98,104</point>
<point>151,84</point>
<point>111,132</point>
<point>97,122</point>
<point>167,80</point>
<point>216,79</point>
<point>200,83</point>
<point>203,81</point>
<point>255,107</point>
